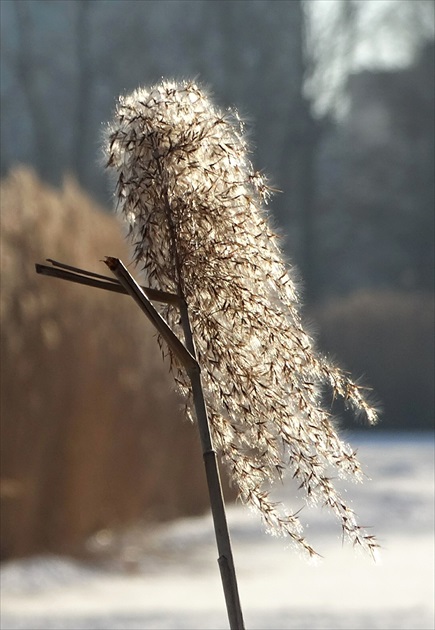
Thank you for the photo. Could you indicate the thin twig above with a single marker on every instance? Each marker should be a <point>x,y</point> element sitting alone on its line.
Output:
<point>83,272</point>
<point>91,279</point>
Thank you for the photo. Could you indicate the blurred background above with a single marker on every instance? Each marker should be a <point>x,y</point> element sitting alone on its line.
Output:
<point>339,100</point>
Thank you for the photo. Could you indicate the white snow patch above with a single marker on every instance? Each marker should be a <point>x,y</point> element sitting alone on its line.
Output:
<point>177,583</point>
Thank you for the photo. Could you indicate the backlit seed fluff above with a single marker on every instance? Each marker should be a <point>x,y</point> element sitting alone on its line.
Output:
<point>199,228</point>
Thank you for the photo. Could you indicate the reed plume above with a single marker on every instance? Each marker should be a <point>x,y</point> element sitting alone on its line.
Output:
<point>198,223</point>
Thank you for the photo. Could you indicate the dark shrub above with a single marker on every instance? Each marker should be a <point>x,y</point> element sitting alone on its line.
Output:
<point>388,339</point>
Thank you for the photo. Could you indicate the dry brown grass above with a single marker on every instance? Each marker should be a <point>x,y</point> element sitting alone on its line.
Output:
<point>92,436</point>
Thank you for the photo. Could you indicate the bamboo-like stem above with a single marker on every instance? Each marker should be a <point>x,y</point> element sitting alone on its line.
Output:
<point>187,356</point>
<point>225,560</point>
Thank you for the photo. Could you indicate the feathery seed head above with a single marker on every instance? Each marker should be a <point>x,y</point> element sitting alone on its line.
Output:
<point>195,207</point>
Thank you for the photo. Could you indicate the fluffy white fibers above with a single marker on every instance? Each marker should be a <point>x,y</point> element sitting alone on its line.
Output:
<point>199,228</point>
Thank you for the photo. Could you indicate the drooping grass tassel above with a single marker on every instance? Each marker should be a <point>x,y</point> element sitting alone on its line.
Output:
<point>198,224</point>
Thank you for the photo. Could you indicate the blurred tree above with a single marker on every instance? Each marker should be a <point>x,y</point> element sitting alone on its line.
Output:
<point>346,37</point>
<point>85,81</point>
<point>302,136</point>
<point>27,66</point>
<point>285,64</point>
<point>377,186</point>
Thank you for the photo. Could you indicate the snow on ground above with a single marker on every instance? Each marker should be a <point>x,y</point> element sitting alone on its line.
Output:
<point>169,578</point>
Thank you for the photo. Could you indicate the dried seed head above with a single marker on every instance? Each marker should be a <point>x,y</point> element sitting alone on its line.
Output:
<point>195,207</point>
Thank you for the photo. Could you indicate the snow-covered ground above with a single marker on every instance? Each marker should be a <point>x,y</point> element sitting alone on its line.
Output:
<point>169,578</point>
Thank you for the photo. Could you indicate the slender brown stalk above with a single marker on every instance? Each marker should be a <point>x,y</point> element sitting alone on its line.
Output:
<point>187,357</point>
<point>225,560</point>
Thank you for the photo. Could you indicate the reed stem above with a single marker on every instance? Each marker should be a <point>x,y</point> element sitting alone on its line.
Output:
<point>187,356</point>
